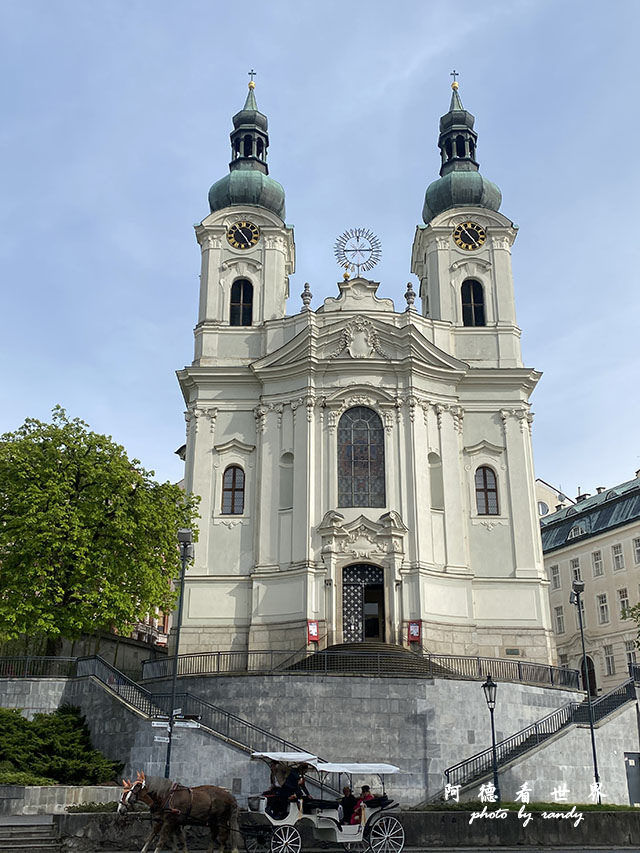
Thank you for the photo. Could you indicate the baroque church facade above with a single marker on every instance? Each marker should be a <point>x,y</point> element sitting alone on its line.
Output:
<point>365,472</point>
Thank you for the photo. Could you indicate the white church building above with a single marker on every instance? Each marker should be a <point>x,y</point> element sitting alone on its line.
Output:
<point>365,470</point>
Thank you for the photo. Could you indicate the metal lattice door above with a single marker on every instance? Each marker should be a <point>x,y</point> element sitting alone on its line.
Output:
<point>355,579</point>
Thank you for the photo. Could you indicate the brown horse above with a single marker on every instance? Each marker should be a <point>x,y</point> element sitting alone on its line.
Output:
<point>174,805</point>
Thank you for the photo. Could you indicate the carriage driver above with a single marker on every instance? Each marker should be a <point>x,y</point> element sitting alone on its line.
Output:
<point>293,788</point>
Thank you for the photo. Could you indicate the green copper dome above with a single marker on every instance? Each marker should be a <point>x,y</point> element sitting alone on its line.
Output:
<point>460,189</point>
<point>247,187</point>
<point>248,181</point>
<point>460,183</point>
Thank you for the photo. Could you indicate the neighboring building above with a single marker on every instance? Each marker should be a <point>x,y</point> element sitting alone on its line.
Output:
<point>598,540</point>
<point>364,471</point>
<point>549,499</point>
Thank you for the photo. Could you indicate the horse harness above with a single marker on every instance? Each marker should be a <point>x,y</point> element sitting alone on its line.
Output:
<point>168,803</point>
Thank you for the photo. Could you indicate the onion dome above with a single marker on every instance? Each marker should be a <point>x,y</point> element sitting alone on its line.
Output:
<point>248,181</point>
<point>460,183</point>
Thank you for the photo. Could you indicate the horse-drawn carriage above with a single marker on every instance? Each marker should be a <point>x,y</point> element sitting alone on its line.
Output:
<point>377,827</point>
<point>271,829</point>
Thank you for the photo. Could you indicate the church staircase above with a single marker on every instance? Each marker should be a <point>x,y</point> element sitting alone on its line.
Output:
<point>370,657</point>
<point>29,834</point>
<point>478,767</point>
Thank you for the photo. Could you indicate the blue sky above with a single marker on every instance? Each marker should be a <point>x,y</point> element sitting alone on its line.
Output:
<point>116,119</point>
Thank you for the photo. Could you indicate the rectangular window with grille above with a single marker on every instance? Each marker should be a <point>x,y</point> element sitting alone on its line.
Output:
<point>575,569</point>
<point>603,608</point>
<point>623,601</point>
<point>563,660</point>
<point>609,661</point>
<point>618,557</point>
<point>554,573</point>
<point>636,551</point>
<point>559,616</point>
<point>630,651</point>
<point>597,563</point>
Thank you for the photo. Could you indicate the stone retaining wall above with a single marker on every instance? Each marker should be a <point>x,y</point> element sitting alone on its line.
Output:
<point>91,832</point>
<point>52,799</point>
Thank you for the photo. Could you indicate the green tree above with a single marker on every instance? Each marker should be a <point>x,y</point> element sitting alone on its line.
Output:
<point>87,537</point>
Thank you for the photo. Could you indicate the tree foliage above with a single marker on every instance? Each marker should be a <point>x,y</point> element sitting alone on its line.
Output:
<point>53,748</point>
<point>87,537</point>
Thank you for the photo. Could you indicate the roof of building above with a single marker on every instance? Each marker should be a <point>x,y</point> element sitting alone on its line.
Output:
<point>610,509</point>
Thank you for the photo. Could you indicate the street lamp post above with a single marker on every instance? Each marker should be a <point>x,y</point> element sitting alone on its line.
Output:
<point>185,538</point>
<point>577,589</point>
<point>490,688</point>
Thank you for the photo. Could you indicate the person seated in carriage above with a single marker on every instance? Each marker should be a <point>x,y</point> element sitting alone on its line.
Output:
<point>365,796</point>
<point>292,789</point>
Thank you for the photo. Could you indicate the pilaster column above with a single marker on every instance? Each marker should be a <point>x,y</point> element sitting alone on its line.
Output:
<point>210,304</point>
<point>267,441</point>
<point>199,474</point>
<point>449,420</point>
<point>521,494</point>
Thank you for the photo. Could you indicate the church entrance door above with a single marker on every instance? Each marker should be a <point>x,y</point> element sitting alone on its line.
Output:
<point>363,614</point>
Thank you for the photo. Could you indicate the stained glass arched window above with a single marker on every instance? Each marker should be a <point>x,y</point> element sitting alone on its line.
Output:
<point>360,458</point>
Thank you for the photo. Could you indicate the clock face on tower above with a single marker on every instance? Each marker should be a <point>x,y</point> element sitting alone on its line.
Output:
<point>243,235</point>
<point>469,235</point>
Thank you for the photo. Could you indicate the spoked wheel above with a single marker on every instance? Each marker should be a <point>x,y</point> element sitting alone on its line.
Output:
<point>386,835</point>
<point>286,839</point>
<point>257,843</point>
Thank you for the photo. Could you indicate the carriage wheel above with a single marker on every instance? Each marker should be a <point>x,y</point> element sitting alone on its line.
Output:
<point>258,843</point>
<point>386,835</point>
<point>286,839</point>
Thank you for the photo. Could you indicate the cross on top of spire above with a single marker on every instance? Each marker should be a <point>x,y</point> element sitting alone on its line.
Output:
<point>455,75</point>
<point>252,74</point>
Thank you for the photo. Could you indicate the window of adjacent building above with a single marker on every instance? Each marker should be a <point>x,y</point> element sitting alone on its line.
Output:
<point>603,608</point>
<point>435,480</point>
<point>630,651</point>
<point>286,481</point>
<point>636,551</point>
<point>618,557</point>
<point>583,613</point>
<point>360,458</point>
<point>597,563</point>
<point>559,616</point>
<point>609,662</point>
<point>563,660</point>
<point>233,491</point>
<point>486,491</point>
<point>623,601</point>
<point>578,530</point>
<point>472,303</point>
<point>241,311</point>
<point>575,568</point>
<point>554,573</point>
<point>543,508</point>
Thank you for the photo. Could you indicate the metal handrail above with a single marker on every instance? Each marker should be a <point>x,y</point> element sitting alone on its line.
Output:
<point>530,736</point>
<point>31,666</point>
<point>437,666</point>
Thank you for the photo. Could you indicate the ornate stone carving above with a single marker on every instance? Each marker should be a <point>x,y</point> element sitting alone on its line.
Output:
<point>260,411</point>
<point>388,421</point>
<point>363,537</point>
<point>457,413</point>
<point>360,339</point>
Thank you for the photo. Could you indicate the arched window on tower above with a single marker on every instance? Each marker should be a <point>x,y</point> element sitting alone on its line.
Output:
<point>260,149</point>
<point>448,147</point>
<point>460,146</point>
<point>248,145</point>
<point>361,458</point>
<point>241,312</point>
<point>472,149</point>
<point>236,148</point>
<point>233,491</point>
<point>472,303</point>
<point>486,491</point>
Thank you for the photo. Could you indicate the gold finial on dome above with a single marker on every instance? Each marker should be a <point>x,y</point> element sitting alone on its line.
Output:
<point>252,85</point>
<point>252,74</point>
<point>455,86</point>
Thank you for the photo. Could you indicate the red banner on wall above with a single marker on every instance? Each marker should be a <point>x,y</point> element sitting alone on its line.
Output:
<point>313,634</point>
<point>415,632</point>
